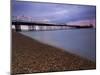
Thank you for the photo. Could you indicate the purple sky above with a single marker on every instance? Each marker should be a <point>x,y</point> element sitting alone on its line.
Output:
<point>55,13</point>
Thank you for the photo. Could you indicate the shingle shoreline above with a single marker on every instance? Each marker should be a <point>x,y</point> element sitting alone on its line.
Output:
<point>31,56</point>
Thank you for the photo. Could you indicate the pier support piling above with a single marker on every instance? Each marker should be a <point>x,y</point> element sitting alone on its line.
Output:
<point>18,27</point>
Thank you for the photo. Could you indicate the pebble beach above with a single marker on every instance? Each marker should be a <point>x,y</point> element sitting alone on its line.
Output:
<point>31,56</point>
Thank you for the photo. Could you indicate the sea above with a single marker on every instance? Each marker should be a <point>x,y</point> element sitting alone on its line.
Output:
<point>81,42</point>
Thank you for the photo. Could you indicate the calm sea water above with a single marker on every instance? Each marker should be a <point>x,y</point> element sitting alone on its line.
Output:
<point>78,41</point>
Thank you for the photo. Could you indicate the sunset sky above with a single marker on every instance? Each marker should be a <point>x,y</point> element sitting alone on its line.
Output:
<point>55,13</point>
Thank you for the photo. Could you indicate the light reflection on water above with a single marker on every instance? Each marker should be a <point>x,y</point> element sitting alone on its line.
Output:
<point>78,41</point>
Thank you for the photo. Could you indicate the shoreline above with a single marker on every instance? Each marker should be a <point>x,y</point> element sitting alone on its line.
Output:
<point>31,56</point>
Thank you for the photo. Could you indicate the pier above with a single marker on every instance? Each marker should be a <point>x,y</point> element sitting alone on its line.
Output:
<point>45,26</point>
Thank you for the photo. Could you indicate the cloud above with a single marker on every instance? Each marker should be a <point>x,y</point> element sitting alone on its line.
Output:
<point>59,13</point>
